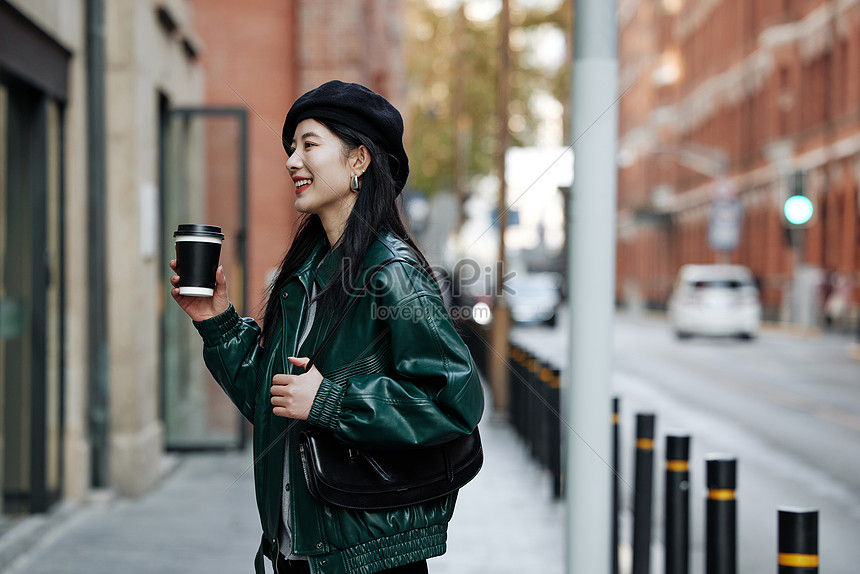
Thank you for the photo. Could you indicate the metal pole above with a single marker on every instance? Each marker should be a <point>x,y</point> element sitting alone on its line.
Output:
<point>96,251</point>
<point>461,120</point>
<point>797,541</point>
<point>677,504</point>
<point>643,496</point>
<point>591,277</point>
<point>501,315</point>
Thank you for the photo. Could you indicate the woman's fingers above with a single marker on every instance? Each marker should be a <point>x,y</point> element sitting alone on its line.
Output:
<point>279,384</point>
<point>299,361</point>
<point>289,396</point>
<point>220,282</point>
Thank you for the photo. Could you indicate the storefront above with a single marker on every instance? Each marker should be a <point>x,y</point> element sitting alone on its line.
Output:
<point>33,85</point>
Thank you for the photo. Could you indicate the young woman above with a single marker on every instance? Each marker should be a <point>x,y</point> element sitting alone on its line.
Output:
<point>394,374</point>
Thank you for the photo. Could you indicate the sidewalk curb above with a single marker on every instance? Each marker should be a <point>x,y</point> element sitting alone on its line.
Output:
<point>780,327</point>
<point>31,530</point>
<point>791,329</point>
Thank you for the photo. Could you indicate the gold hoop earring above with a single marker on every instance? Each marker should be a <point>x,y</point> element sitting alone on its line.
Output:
<point>353,184</point>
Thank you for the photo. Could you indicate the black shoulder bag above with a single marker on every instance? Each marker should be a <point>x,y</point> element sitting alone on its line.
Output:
<point>364,479</point>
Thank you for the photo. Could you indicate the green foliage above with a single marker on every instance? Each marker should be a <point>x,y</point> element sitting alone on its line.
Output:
<point>435,63</point>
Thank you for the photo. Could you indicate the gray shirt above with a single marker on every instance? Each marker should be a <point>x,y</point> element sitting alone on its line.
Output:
<point>284,535</point>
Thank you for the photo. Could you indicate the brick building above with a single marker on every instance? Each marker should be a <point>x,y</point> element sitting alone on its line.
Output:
<point>741,98</point>
<point>263,55</point>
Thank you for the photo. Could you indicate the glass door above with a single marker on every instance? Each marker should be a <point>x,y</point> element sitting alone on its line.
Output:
<point>203,160</point>
<point>30,299</point>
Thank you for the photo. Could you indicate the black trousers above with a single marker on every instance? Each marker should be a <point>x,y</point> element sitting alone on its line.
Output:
<point>301,567</point>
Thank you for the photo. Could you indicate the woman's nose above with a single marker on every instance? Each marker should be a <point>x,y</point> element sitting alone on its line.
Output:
<point>294,161</point>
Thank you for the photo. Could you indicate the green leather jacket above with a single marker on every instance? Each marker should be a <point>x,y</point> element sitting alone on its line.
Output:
<point>396,374</point>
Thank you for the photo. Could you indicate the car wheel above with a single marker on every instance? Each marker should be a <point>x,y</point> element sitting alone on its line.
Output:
<point>746,336</point>
<point>683,335</point>
<point>550,322</point>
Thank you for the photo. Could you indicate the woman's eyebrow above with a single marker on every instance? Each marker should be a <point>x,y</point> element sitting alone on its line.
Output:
<point>310,135</point>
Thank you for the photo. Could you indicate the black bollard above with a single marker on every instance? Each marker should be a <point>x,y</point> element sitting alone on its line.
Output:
<point>554,431</point>
<point>721,516</point>
<point>616,491</point>
<point>677,504</point>
<point>518,393</point>
<point>513,381</point>
<point>642,497</point>
<point>798,541</point>
<point>545,414</point>
<point>539,412</point>
<point>529,403</point>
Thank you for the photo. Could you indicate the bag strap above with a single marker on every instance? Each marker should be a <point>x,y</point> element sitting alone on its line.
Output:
<point>352,299</point>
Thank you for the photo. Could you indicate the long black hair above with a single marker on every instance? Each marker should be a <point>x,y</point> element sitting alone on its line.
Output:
<point>375,210</point>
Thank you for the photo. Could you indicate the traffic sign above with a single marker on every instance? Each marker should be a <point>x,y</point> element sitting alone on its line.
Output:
<point>725,218</point>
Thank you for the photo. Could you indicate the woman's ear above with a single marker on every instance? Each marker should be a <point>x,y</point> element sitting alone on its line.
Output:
<point>359,159</point>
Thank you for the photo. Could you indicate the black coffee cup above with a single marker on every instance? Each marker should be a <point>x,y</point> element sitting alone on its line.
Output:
<point>198,249</point>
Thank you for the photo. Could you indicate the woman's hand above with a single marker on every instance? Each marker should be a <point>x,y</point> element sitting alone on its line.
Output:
<point>202,308</point>
<point>293,395</point>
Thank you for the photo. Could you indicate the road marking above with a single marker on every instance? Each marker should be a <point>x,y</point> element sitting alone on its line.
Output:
<point>838,416</point>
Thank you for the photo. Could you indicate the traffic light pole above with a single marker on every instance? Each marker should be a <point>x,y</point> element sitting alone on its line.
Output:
<point>591,280</point>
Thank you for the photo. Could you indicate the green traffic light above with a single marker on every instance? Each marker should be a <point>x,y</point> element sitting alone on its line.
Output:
<point>798,209</point>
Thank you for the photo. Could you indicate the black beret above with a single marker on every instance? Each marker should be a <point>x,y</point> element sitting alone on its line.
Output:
<point>357,107</point>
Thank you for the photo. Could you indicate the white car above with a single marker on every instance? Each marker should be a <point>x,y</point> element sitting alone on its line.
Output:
<point>534,297</point>
<point>715,300</point>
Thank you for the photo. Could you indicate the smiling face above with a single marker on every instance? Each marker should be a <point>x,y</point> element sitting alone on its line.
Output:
<point>321,172</point>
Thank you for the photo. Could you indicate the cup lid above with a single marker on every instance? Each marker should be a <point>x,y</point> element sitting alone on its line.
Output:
<point>195,229</point>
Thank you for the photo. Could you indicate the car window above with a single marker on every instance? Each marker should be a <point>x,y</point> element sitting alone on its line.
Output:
<point>719,284</point>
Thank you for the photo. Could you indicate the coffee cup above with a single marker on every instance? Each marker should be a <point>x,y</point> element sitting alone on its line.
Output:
<point>198,249</point>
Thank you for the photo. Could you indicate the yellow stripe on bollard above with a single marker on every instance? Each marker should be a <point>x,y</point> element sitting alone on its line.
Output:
<point>799,560</point>
<point>721,494</point>
<point>677,465</point>
<point>615,418</point>
<point>645,444</point>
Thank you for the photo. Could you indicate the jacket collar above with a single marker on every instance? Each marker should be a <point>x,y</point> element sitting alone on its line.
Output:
<point>320,265</point>
<point>306,271</point>
<point>328,266</point>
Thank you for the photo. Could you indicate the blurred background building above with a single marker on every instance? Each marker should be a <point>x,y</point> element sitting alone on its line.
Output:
<point>733,106</point>
<point>118,120</point>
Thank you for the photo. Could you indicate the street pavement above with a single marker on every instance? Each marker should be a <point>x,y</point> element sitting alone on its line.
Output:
<point>786,405</point>
<point>202,518</point>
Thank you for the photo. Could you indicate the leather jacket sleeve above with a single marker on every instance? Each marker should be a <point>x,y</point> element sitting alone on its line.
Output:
<point>226,338</point>
<point>433,392</point>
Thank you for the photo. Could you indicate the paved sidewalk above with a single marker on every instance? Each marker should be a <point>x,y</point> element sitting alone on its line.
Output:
<point>202,518</point>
